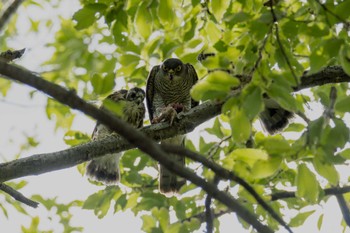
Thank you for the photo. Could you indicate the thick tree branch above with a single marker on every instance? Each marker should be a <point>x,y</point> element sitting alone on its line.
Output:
<point>18,196</point>
<point>133,136</point>
<point>38,164</point>
<point>41,163</point>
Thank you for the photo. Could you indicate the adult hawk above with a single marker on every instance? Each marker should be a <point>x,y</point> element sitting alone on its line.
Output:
<point>106,169</point>
<point>167,93</point>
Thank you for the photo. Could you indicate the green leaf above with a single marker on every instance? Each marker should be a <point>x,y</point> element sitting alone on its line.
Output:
<point>343,104</point>
<point>216,129</point>
<point>315,130</point>
<point>295,127</point>
<point>249,156</point>
<point>103,84</point>
<point>149,222</point>
<point>85,17</point>
<point>326,169</point>
<point>240,125</point>
<point>150,200</point>
<point>300,219</point>
<point>166,12</point>
<point>345,153</point>
<point>212,32</point>
<point>344,58</point>
<point>115,107</point>
<point>253,101</point>
<point>307,184</point>
<point>218,8</point>
<point>275,145</point>
<point>282,96</point>
<point>319,222</point>
<point>204,90</point>
<point>74,138</point>
<point>264,169</point>
<point>120,203</point>
<point>120,33</point>
<point>337,136</point>
<point>100,201</point>
<point>222,78</point>
<point>143,21</point>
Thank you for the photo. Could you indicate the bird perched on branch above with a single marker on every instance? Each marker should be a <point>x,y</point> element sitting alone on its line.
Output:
<point>106,169</point>
<point>168,93</point>
<point>273,118</point>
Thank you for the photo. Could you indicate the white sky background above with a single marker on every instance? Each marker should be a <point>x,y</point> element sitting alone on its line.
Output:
<point>20,115</point>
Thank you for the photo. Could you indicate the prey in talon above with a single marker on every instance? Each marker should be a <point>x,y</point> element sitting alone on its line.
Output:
<point>168,113</point>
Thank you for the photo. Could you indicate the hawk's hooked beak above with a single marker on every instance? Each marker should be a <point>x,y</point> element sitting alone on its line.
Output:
<point>171,74</point>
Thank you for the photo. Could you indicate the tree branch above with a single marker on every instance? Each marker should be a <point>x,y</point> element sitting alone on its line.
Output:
<point>10,10</point>
<point>41,163</point>
<point>18,196</point>
<point>223,173</point>
<point>132,135</point>
<point>38,164</point>
<point>327,192</point>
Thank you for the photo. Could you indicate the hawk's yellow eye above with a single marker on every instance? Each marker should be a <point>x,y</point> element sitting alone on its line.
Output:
<point>164,68</point>
<point>178,68</point>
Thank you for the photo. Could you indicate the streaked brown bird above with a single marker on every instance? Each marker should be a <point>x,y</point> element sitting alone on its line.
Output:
<point>168,93</point>
<point>106,169</point>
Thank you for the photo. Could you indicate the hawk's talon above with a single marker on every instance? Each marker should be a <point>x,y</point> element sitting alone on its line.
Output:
<point>167,114</point>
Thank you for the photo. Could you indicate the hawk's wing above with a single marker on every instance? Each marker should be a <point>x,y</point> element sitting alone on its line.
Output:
<point>194,77</point>
<point>150,91</point>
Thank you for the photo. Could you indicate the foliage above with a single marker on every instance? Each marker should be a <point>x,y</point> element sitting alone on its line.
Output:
<point>111,44</point>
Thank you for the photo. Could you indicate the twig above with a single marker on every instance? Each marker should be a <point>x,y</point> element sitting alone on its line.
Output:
<point>325,8</point>
<point>202,216</point>
<point>262,47</point>
<point>344,208</point>
<point>133,136</point>
<point>328,113</point>
<point>18,196</point>
<point>208,211</point>
<point>216,146</point>
<point>10,10</point>
<point>327,192</point>
<point>281,45</point>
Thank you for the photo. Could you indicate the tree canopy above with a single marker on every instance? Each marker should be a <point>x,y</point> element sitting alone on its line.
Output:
<point>295,52</point>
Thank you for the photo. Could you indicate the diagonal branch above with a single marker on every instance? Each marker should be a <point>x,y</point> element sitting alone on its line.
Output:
<point>18,196</point>
<point>10,10</point>
<point>133,136</point>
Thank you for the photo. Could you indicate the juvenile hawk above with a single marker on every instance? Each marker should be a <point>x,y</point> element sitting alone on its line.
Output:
<point>168,88</point>
<point>106,169</point>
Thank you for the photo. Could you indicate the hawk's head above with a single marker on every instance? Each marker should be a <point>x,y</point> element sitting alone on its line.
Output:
<point>136,95</point>
<point>172,67</point>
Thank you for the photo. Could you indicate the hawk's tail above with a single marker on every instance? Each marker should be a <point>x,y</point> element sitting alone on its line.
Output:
<point>105,169</point>
<point>274,118</point>
<point>169,183</point>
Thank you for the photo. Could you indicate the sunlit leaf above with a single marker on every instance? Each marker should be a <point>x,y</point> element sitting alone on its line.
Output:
<point>307,184</point>
<point>300,219</point>
<point>240,125</point>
